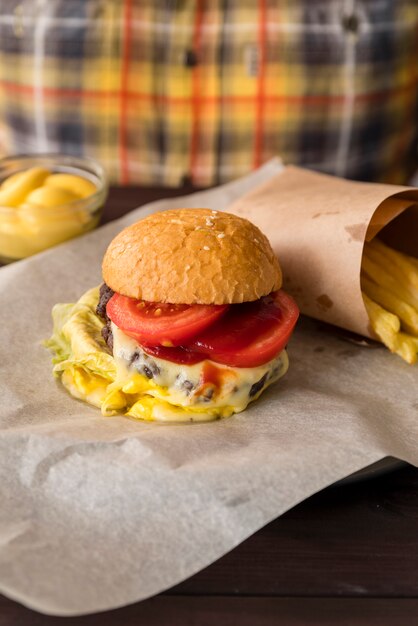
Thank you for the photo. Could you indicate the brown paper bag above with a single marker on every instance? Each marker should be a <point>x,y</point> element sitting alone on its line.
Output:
<point>317,225</point>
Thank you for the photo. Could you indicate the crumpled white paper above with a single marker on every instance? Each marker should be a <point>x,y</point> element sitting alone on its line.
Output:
<point>101,512</point>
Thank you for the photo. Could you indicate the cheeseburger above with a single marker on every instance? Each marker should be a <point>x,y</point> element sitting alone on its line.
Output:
<point>190,323</point>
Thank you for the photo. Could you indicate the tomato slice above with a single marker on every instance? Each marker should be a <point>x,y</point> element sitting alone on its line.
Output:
<point>251,333</point>
<point>239,335</point>
<point>158,324</point>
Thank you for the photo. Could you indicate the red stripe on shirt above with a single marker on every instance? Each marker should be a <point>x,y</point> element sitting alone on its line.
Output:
<point>196,100</point>
<point>52,92</point>
<point>124,97</point>
<point>259,116</point>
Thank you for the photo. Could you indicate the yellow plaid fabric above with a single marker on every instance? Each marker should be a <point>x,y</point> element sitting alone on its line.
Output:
<point>161,91</point>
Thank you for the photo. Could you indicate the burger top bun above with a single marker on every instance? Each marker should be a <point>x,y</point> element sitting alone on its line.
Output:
<point>192,256</point>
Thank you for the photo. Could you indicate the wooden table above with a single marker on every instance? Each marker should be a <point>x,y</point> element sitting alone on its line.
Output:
<point>346,556</point>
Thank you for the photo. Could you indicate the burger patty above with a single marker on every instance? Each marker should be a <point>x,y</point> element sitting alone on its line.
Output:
<point>105,294</point>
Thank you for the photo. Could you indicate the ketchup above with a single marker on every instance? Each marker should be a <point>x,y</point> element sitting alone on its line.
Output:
<point>211,379</point>
<point>176,355</point>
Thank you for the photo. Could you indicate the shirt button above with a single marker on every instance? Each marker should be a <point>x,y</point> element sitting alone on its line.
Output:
<point>351,23</point>
<point>186,180</point>
<point>190,58</point>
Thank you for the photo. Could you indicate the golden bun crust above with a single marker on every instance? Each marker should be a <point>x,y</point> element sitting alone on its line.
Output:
<point>192,256</point>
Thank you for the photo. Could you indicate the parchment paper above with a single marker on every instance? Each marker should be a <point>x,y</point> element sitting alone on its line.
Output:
<point>100,512</point>
<point>317,225</point>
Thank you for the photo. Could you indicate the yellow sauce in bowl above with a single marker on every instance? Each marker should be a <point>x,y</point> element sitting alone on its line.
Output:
<point>40,208</point>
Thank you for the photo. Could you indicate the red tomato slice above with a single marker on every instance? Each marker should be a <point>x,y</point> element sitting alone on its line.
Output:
<point>158,324</point>
<point>251,333</point>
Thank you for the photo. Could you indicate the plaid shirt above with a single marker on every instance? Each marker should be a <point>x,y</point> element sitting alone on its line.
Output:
<point>161,91</point>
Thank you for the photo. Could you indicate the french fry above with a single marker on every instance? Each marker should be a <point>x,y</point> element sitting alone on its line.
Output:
<point>394,281</point>
<point>386,325</point>
<point>389,281</point>
<point>415,342</point>
<point>407,314</point>
<point>406,347</point>
<point>405,264</point>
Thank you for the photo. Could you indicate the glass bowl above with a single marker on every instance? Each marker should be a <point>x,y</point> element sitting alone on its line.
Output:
<point>28,228</point>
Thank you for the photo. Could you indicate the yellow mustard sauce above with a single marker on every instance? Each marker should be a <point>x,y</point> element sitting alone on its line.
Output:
<point>40,208</point>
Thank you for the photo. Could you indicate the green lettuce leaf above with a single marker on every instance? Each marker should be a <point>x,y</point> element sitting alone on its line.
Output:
<point>77,340</point>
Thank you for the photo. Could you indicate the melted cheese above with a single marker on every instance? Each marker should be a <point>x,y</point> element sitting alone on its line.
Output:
<point>177,392</point>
